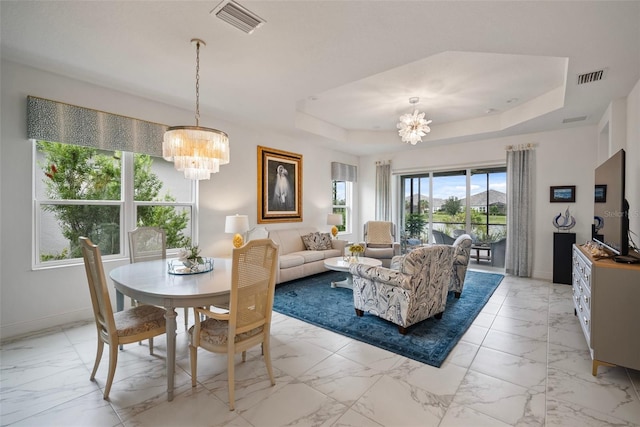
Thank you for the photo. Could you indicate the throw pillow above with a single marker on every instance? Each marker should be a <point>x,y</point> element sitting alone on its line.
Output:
<point>317,241</point>
<point>325,238</point>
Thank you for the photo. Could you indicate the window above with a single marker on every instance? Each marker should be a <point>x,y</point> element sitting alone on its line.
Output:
<point>452,202</point>
<point>83,191</point>
<point>342,203</point>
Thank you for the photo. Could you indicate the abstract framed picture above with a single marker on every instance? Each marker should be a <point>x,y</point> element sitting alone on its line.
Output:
<point>562,194</point>
<point>600,195</point>
<point>279,186</point>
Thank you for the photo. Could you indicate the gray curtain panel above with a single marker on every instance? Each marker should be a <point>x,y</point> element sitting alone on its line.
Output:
<point>520,190</point>
<point>383,192</point>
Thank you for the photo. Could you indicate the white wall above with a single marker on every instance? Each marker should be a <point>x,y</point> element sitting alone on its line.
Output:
<point>633,161</point>
<point>563,157</point>
<point>59,295</point>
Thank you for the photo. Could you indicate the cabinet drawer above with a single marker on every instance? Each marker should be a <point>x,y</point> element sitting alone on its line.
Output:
<point>585,320</point>
<point>582,270</point>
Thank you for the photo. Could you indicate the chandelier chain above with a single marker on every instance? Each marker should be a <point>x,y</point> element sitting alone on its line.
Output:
<point>197,83</point>
<point>196,151</point>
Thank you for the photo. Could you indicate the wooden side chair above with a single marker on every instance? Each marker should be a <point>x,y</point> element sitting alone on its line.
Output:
<point>247,322</point>
<point>148,244</point>
<point>123,327</point>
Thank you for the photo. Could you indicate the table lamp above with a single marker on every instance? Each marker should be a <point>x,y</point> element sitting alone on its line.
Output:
<point>238,224</point>
<point>334,220</point>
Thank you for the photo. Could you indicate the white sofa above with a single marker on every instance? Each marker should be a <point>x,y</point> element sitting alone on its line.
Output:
<point>295,261</point>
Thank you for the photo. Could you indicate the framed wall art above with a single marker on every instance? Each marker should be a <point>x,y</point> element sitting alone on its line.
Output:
<point>279,186</point>
<point>600,194</point>
<point>562,193</point>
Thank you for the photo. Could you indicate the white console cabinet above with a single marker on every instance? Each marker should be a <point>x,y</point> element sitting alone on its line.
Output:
<point>606,298</point>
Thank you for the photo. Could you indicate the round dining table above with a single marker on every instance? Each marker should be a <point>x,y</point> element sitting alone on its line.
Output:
<point>151,283</point>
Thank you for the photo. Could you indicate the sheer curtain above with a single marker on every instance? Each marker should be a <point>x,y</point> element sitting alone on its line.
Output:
<point>520,208</point>
<point>383,191</point>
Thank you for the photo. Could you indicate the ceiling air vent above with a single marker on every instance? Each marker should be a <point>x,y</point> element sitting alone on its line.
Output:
<point>575,119</point>
<point>591,77</point>
<point>238,16</point>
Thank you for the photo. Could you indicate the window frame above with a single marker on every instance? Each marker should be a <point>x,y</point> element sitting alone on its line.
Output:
<point>347,207</point>
<point>128,211</point>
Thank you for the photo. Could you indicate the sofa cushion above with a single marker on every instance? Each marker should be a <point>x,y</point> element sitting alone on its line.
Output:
<point>332,253</point>
<point>291,260</point>
<point>317,241</point>
<point>310,256</point>
<point>290,239</point>
<point>379,245</point>
<point>379,252</point>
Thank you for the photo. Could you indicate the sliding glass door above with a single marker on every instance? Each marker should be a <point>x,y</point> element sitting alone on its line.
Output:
<point>439,206</point>
<point>488,204</point>
<point>449,212</point>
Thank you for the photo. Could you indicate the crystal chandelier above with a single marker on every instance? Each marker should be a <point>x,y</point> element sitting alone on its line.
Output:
<point>412,126</point>
<point>197,151</point>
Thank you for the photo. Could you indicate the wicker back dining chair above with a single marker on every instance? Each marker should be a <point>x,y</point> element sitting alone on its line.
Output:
<point>247,321</point>
<point>148,244</point>
<point>123,327</point>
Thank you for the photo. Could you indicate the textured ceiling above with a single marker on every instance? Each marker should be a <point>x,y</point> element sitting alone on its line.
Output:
<point>327,71</point>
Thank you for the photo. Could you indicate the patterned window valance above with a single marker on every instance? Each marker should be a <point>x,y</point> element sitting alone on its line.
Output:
<point>344,172</point>
<point>59,122</point>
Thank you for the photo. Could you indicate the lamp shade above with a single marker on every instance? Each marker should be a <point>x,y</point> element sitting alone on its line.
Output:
<point>334,219</point>
<point>236,224</point>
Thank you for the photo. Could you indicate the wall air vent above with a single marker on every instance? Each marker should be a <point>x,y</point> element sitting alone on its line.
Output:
<point>238,16</point>
<point>575,119</point>
<point>591,77</point>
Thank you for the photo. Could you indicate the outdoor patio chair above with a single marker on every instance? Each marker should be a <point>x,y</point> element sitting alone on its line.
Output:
<point>441,238</point>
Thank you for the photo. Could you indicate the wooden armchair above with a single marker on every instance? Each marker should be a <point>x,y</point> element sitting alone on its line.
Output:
<point>247,322</point>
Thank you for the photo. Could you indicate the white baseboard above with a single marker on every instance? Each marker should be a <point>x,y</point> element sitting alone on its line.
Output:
<point>19,329</point>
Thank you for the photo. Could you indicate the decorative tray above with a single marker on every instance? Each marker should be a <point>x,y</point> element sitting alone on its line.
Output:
<point>177,267</point>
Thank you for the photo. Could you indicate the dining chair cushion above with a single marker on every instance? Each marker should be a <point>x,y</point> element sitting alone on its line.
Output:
<point>216,332</point>
<point>139,319</point>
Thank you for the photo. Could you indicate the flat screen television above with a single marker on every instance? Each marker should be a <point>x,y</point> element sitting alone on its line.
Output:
<point>611,209</point>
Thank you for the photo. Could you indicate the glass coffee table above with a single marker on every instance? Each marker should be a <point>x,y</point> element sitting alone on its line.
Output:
<point>339,264</point>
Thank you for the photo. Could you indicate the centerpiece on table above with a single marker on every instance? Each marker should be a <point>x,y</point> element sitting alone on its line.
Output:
<point>356,251</point>
<point>189,256</point>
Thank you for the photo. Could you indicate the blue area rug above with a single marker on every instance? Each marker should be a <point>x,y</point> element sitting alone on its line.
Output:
<point>312,300</point>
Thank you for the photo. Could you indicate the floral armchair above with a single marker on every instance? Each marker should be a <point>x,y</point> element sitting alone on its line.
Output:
<point>414,292</point>
<point>462,246</point>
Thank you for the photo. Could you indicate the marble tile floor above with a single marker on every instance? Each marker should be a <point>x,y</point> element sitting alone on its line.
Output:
<point>523,362</point>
